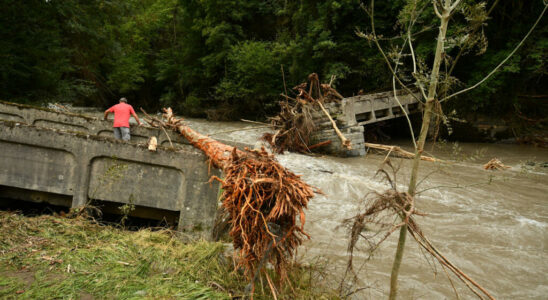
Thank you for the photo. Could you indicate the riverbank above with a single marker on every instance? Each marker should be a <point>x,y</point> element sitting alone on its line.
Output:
<point>77,258</point>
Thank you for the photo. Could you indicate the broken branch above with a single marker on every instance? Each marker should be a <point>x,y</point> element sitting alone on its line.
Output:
<point>399,151</point>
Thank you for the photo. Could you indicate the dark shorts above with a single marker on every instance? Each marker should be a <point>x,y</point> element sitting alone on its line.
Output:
<point>122,133</point>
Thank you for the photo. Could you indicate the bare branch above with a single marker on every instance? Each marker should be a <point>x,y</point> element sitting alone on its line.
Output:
<point>421,88</point>
<point>371,15</point>
<point>454,6</point>
<point>502,62</point>
<point>425,29</point>
<point>434,3</point>
<point>394,89</point>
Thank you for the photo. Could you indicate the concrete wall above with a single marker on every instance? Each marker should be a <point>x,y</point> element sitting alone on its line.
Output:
<point>351,114</point>
<point>325,131</point>
<point>86,166</point>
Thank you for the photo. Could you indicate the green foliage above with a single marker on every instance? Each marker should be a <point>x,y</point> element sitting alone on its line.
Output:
<point>195,55</point>
<point>253,77</point>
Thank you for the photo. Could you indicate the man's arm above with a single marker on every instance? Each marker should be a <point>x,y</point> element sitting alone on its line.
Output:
<point>136,118</point>
<point>106,114</point>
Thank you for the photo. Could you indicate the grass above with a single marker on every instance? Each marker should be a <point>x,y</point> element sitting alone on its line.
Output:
<point>47,257</point>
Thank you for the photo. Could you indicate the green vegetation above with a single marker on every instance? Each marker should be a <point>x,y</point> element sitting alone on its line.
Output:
<point>226,55</point>
<point>49,257</point>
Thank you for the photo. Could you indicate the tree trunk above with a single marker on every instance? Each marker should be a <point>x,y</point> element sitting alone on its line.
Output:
<point>420,146</point>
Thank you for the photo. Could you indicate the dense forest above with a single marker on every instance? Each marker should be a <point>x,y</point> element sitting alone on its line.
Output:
<point>227,56</point>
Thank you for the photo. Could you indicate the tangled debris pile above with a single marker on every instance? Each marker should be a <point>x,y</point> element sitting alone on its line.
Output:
<point>495,164</point>
<point>261,198</point>
<point>295,123</point>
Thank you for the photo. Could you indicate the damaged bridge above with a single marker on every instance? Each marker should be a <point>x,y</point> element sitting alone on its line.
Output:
<point>352,114</point>
<point>72,160</point>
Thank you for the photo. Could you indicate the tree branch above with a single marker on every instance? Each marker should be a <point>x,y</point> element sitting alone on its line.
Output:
<point>461,50</point>
<point>434,3</point>
<point>371,15</point>
<point>452,8</point>
<point>502,62</point>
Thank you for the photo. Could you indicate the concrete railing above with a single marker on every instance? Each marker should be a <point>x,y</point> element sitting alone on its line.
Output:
<point>48,118</point>
<point>367,109</point>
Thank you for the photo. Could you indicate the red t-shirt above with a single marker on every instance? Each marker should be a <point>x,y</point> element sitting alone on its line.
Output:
<point>122,112</point>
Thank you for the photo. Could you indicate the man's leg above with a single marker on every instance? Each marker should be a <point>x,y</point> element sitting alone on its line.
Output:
<point>117,133</point>
<point>125,133</point>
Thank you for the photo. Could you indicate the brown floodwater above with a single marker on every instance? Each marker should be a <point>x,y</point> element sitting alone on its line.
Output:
<point>493,225</point>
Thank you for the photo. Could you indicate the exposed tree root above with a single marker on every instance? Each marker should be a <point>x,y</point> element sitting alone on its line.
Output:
<point>294,127</point>
<point>261,198</point>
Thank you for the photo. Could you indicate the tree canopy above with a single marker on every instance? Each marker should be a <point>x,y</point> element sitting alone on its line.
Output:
<point>204,55</point>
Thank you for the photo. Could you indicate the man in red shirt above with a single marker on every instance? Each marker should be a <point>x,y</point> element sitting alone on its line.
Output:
<point>122,112</point>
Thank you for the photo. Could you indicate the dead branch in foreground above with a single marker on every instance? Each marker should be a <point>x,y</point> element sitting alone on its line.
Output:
<point>380,211</point>
<point>261,198</point>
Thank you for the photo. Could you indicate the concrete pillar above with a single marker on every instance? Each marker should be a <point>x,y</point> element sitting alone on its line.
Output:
<point>81,184</point>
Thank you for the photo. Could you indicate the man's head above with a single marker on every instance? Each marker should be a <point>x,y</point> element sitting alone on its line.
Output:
<point>123,100</point>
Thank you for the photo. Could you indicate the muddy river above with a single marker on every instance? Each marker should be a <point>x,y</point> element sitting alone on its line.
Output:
<point>492,224</point>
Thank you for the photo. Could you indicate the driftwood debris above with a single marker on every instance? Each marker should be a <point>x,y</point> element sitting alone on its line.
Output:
<point>495,164</point>
<point>397,151</point>
<point>320,144</point>
<point>261,198</point>
<point>152,143</point>
<point>294,127</point>
<point>294,123</point>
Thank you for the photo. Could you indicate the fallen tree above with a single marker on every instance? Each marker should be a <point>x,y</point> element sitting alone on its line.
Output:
<point>261,198</point>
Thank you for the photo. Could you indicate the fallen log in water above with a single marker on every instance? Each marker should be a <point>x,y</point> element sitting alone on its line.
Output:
<point>399,151</point>
<point>261,198</point>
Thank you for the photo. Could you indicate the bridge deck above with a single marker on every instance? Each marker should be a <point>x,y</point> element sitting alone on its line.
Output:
<point>367,109</point>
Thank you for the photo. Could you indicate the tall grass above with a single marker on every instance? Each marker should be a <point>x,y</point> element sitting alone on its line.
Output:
<point>48,257</point>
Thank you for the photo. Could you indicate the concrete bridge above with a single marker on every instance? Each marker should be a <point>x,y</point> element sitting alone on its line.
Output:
<point>353,113</point>
<point>69,159</point>
<point>368,109</point>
